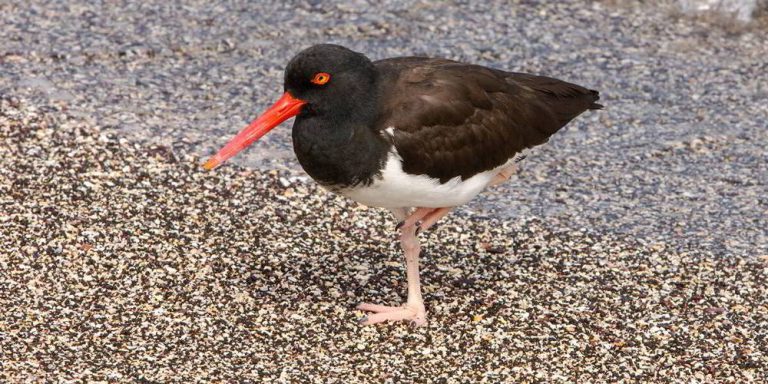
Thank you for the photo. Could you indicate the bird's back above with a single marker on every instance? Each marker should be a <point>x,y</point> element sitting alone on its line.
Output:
<point>454,119</point>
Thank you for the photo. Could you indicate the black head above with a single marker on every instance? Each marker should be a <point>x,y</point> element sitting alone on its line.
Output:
<point>330,79</point>
<point>325,85</point>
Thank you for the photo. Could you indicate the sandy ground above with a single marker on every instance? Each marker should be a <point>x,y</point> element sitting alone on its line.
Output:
<point>128,263</point>
<point>677,156</point>
<point>631,248</point>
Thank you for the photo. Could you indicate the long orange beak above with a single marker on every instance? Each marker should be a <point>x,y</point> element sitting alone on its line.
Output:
<point>282,110</point>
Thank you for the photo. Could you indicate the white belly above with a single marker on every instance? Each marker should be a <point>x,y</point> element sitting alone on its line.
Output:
<point>397,189</point>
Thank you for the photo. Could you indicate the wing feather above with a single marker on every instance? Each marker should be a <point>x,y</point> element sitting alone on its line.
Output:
<point>453,119</point>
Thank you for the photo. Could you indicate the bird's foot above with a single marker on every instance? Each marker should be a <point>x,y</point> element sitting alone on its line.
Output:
<point>504,175</point>
<point>415,313</point>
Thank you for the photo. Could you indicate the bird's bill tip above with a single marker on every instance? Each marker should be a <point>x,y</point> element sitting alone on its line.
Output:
<point>212,163</point>
<point>285,108</point>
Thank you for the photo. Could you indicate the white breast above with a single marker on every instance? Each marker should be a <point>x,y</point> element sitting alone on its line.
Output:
<point>397,189</point>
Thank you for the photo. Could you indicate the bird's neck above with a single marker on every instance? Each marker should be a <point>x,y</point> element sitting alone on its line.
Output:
<point>340,150</point>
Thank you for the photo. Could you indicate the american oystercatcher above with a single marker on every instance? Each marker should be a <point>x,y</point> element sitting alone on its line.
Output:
<point>415,135</point>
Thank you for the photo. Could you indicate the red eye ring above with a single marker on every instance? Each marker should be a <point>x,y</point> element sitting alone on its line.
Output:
<point>321,78</point>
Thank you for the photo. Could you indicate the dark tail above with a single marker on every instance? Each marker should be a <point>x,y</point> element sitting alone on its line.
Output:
<point>595,97</point>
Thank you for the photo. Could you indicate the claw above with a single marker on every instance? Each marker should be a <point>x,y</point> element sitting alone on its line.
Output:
<point>399,225</point>
<point>414,314</point>
<point>418,228</point>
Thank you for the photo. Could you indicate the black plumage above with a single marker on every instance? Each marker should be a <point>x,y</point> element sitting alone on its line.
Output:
<point>453,119</point>
<point>450,119</point>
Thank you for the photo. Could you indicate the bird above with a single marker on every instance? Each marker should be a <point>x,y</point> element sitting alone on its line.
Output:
<point>415,135</point>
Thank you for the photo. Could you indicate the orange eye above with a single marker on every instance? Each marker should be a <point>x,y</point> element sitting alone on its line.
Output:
<point>321,78</point>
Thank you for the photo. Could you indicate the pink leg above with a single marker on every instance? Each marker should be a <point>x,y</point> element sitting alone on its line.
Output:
<point>413,309</point>
<point>414,217</point>
<point>502,176</point>
<point>433,217</point>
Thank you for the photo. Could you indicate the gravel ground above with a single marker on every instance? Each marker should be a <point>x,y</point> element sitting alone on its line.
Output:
<point>633,246</point>
<point>131,264</point>
<point>678,156</point>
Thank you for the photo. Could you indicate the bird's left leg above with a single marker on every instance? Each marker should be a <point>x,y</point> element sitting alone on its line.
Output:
<point>413,309</point>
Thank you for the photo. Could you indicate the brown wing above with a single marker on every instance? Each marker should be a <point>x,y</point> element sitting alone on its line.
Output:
<point>453,119</point>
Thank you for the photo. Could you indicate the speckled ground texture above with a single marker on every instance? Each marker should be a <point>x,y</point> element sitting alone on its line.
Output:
<point>631,248</point>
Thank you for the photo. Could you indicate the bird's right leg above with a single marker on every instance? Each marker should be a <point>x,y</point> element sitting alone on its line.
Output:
<point>414,218</point>
<point>503,175</point>
<point>432,218</point>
